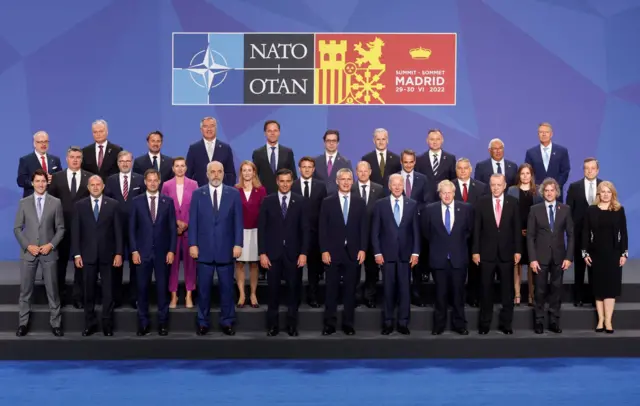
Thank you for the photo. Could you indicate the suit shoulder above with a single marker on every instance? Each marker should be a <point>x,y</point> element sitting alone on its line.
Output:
<point>110,200</point>
<point>369,156</point>
<point>318,182</point>
<point>478,183</point>
<point>53,198</point>
<point>164,198</point>
<point>114,177</point>
<point>511,163</point>
<point>510,198</point>
<point>448,154</point>
<point>379,186</point>
<point>142,196</point>
<point>258,150</point>
<point>296,196</point>
<point>115,146</point>
<point>418,175</point>
<point>484,162</point>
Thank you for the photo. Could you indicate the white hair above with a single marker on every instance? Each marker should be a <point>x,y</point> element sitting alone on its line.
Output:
<point>205,119</point>
<point>495,140</point>
<point>101,121</point>
<point>363,163</point>
<point>40,132</point>
<point>210,164</point>
<point>395,176</point>
<point>446,183</point>
<point>379,131</point>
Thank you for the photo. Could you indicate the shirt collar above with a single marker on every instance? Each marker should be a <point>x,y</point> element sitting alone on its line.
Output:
<point>342,195</point>
<point>125,173</point>
<point>38,154</point>
<point>213,141</point>
<point>152,195</point>
<point>272,146</point>
<point>328,154</point>
<point>501,162</point>
<point>383,152</point>
<point>288,194</point>
<point>550,146</point>
<point>393,198</point>
<point>367,184</point>
<point>104,144</point>
<point>444,205</point>
<point>438,152</point>
<point>151,155</point>
<point>36,195</point>
<point>211,187</point>
<point>405,174</point>
<point>462,182</point>
<point>553,203</point>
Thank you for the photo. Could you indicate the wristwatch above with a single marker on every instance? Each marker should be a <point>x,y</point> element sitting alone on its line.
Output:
<point>626,254</point>
<point>584,254</point>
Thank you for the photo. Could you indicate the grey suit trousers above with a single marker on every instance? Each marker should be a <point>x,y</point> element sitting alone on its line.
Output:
<point>27,281</point>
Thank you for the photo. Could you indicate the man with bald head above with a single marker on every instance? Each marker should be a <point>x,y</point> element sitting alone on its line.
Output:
<point>496,164</point>
<point>101,157</point>
<point>216,234</point>
<point>39,159</point>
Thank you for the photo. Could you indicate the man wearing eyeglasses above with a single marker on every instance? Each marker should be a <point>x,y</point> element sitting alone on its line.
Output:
<point>39,159</point>
<point>330,162</point>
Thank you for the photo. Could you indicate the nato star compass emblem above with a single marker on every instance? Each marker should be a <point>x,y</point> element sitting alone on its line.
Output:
<point>208,68</point>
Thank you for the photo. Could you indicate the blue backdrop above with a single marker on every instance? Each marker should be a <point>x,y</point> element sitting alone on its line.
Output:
<point>574,63</point>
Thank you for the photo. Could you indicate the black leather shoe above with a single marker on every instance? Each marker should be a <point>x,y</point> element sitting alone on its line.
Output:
<point>314,304</point>
<point>78,304</point>
<point>579,303</point>
<point>418,302</point>
<point>57,331</point>
<point>22,331</point>
<point>89,331</point>
<point>609,331</point>
<point>437,332</point>
<point>507,331</point>
<point>292,331</point>
<point>539,328</point>
<point>163,330</point>
<point>370,304</point>
<point>386,330</point>
<point>133,304</point>
<point>273,331</point>
<point>348,330</point>
<point>328,330</point>
<point>142,331</point>
<point>462,331</point>
<point>404,330</point>
<point>600,330</point>
<point>554,328</point>
<point>228,330</point>
<point>202,331</point>
<point>483,330</point>
<point>107,331</point>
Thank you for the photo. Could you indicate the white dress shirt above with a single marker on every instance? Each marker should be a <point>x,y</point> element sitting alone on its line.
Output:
<point>495,163</point>
<point>400,199</point>
<point>93,202</point>
<point>121,175</point>
<point>542,148</point>
<point>384,154</point>
<point>104,150</point>
<point>341,196</point>
<point>35,200</point>
<point>461,184</point>
<point>276,151</point>
<point>288,195</point>
<point>587,184</point>
<point>367,189</point>
<point>70,178</point>
<point>495,199</point>
<point>219,189</point>
<point>452,212</point>
<point>546,209</point>
<point>210,146</point>
<point>157,158</point>
<point>157,196</point>
<point>332,156</point>
<point>39,155</point>
<point>302,185</point>
<point>438,153</point>
<point>404,178</point>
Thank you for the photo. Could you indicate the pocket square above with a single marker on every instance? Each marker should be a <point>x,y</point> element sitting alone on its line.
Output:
<point>55,167</point>
<point>136,188</point>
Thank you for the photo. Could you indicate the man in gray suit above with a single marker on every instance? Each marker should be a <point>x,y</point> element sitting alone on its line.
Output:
<point>547,225</point>
<point>39,228</point>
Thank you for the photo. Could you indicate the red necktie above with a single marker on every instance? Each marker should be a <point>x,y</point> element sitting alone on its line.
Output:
<point>125,188</point>
<point>465,193</point>
<point>153,208</point>
<point>44,163</point>
<point>100,156</point>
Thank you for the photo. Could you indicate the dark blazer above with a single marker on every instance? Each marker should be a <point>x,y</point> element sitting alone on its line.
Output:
<point>28,164</point>
<point>61,189</point>
<point>113,189</point>
<point>375,191</point>
<point>559,164</point>
<point>330,178</point>
<point>280,236</point>
<point>152,240</point>
<point>392,165</point>
<point>144,162</point>
<point>333,232</point>
<point>215,235</point>
<point>260,158</point>
<point>515,192</point>
<point>493,243</point>
<point>577,200</point>
<point>446,167</point>
<point>423,191</point>
<point>251,207</point>
<point>318,194</point>
<point>591,239</point>
<point>475,191</point>
<point>484,170</point>
<point>96,241</point>
<point>545,245</point>
<point>395,243</point>
<point>109,162</point>
<point>443,245</point>
<point>198,159</point>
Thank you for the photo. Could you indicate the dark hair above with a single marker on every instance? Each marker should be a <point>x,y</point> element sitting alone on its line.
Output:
<point>308,159</point>
<point>155,132</point>
<point>38,172</point>
<point>532,185</point>
<point>74,148</point>
<point>266,123</point>
<point>336,132</point>
<point>408,152</point>
<point>151,171</point>
<point>178,158</point>
<point>434,130</point>
<point>284,172</point>
<point>592,159</point>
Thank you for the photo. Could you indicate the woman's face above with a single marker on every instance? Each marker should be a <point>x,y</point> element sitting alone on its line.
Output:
<point>605,195</point>
<point>525,176</point>
<point>247,173</point>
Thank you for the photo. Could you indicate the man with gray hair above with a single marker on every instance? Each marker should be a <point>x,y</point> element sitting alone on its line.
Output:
<point>39,159</point>
<point>207,150</point>
<point>496,164</point>
<point>101,156</point>
<point>383,162</point>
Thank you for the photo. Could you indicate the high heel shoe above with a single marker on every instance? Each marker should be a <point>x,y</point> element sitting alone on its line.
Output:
<point>600,330</point>
<point>189,300</point>
<point>609,330</point>
<point>516,301</point>
<point>174,300</point>
<point>254,302</point>
<point>240,303</point>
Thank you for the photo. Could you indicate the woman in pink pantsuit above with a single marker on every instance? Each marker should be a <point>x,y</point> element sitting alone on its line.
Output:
<point>180,189</point>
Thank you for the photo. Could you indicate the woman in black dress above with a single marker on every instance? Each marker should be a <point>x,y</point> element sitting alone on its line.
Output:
<point>527,194</point>
<point>605,249</point>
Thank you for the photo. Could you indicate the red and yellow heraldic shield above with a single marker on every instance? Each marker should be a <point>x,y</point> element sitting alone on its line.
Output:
<point>394,69</point>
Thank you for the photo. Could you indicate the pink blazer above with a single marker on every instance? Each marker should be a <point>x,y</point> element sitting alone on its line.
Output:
<point>169,189</point>
<point>251,207</point>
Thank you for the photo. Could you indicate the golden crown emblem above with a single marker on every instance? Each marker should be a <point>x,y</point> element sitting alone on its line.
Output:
<point>420,53</point>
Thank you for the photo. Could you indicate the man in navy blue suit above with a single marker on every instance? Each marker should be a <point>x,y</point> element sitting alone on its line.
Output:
<point>215,241</point>
<point>395,237</point>
<point>155,159</point>
<point>447,226</point>
<point>207,150</point>
<point>283,244</point>
<point>343,243</point>
<point>329,163</point>
<point>549,160</point>
<point>124,186</point>
<point>496,164</point>
<point>152,240</point>
<point>39,159</point>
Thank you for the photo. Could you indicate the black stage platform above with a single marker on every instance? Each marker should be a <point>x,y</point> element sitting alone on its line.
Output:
<point>577,340</point>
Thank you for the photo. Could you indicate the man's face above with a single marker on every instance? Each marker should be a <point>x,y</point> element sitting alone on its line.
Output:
<point>39,184</point>
<point>215,175</point>
<point>272,133</point>
<point>497,151</point>
<point>364,173</point>
<point>96,186</point>
<point>434,140</point>
<point>396,186</point>
<point>497,185</point>
<point>209,128</point>
<point>408,162</point>
<point>463,170</point>
<point>74,160</point>
<point>381,140</point>
<point>284,183</point>
<point>152,182</point>
<point>41,143</point>
<point>179,168</point>
<point>545,134</point>
<point>550,193</point>
<point>99,133</point>
<point>331,143</point>
<point>306,169</point>
<point>447,194</point>
<point>124,163</point>
<point>155,143</point>
<point>345,181</point>
<point>591,170</point>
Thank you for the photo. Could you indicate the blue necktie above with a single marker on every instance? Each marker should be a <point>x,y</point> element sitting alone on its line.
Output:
<point>552,219</point>
<point>155,163</point>
<point>215,201</point>
<point>396,213</point>
<point>284,206</point>
<point>499,168</point>
<point>96,210</point>
<point>345,209</point>
<point>273,159</point>
<point>447,220</point>
<point>39,208</point>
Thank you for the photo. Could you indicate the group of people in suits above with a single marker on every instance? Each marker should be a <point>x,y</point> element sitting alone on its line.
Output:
<point>156,211</point>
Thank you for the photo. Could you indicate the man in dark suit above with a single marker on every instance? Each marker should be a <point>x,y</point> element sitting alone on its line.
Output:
<point>447,226</point>
<point>496,164</point>
<point>547,226</point>
<point>152,240</point>
<point>383,162</point>
<point>155,159</point>
<point>70,186</point>
<point>497,246</point>
<point>283,244</point>
<point>395,237</point>
<point>370,192</point>
<point>96,246</point>
<point>436,164</point>
<point>580,196</point>
<point>272,157</point>
<point>329,163</point>
<point>124,187</point>
<point>469,191</point>
<point>423,191</point>
<point>549,160</point>
<point>314,191</point>
<point>215,241</point>
<point>207,150</point>
<point>39,159</point>
<point>343,242</point>
<point>101,157</point>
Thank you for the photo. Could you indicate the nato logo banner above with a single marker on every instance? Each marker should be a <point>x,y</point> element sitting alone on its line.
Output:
<point>308,68</point>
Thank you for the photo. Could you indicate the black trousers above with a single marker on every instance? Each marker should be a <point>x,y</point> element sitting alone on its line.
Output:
<point>90,273</point>
<point>371,276</point>
<point>582,292</point>
<point>396,279</point>
<point>474,283</point>
<point>315,268</point>
<point>549,273</point>
<point>487,275</point>
<point>449,285</point>
<point>420,272</point>
<point>349,271</point>
<point>118,274</point>
<point>287,269</point>
<point>64,254</point>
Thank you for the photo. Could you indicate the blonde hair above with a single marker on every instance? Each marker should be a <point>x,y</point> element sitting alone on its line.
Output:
<point>615,204</point>
<point>255,181</point>
<point>446,183</point>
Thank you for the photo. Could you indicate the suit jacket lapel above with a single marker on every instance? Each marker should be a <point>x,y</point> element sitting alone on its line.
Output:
<point>224,201</point>
<point>50,163</point>
<point>281,157</point>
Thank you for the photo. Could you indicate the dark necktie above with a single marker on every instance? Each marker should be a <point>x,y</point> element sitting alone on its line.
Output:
<point>364,193</point>
<point>284,206</point>
<point>74,186</point>
<point>435,164</point>
<point>465,192</point>
<point>499,168</point>
<point>96,210</point>
<point>100,156</point>
<point>125,188</point>
<point>306,189</point>
<point>273,159</point>
<point>215,201</point>
<point>382,164</point>
<point>407,186</point>
<point>552,219</point>
<point>153,208</point>
<point>155,163</point>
